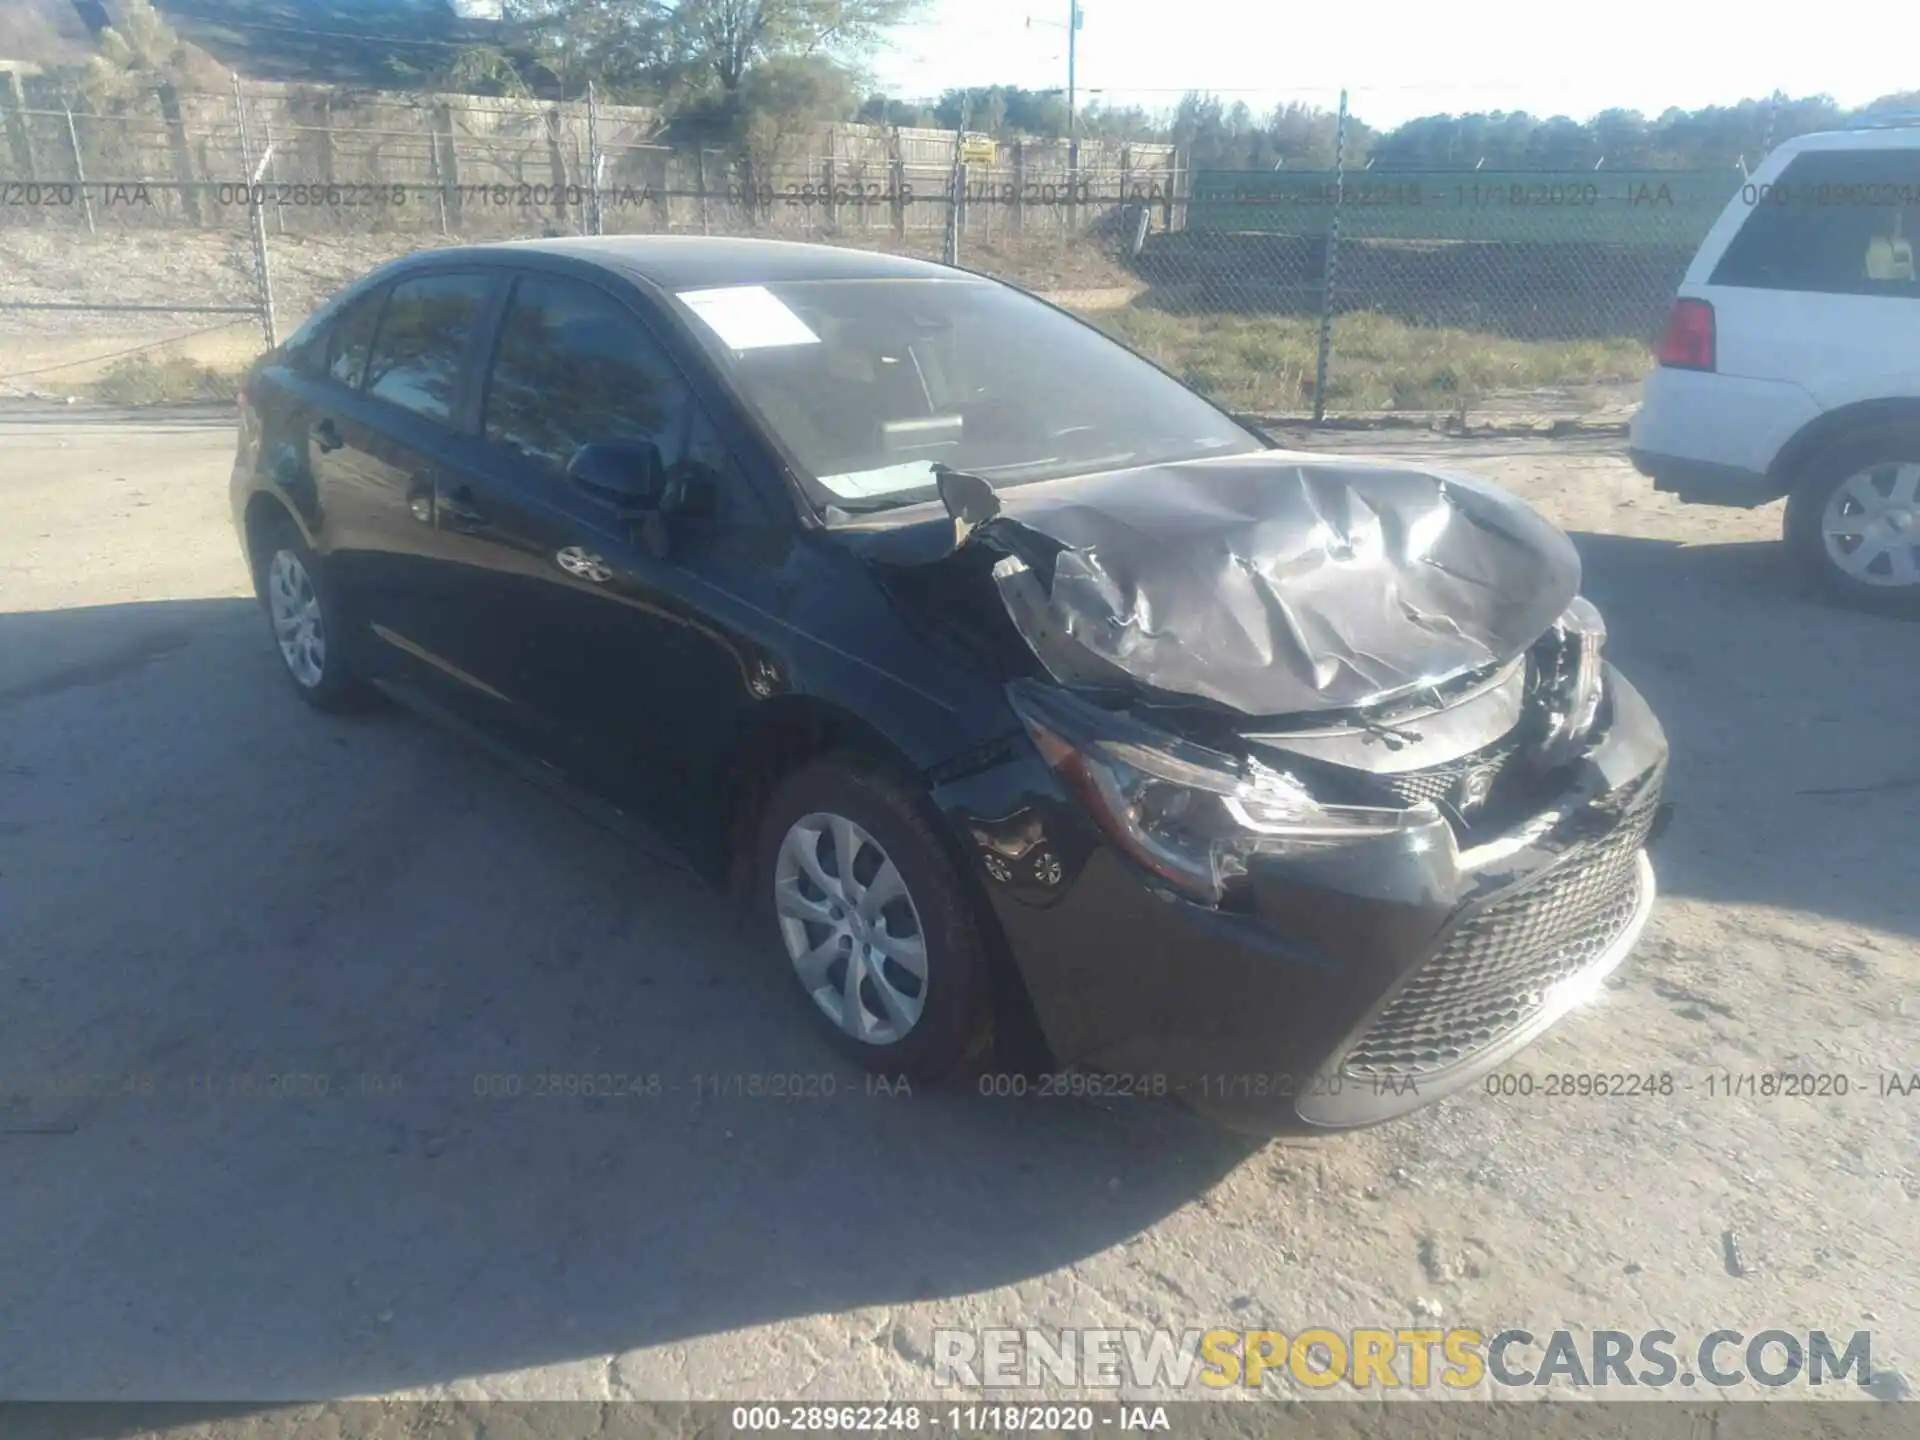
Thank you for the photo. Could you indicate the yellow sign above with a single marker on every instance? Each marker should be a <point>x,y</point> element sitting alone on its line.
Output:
<point>976,150</point>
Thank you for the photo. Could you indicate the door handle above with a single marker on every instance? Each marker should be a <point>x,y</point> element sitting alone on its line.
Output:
<point>457,506</point>
<point>327,435</point>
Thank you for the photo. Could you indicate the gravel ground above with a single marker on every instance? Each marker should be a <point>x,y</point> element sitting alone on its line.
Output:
<point>200,881</point>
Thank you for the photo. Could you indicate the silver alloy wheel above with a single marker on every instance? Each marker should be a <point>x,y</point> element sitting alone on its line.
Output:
<point>297,622</point>
<point>851,928</point>
<point>1871,525</point>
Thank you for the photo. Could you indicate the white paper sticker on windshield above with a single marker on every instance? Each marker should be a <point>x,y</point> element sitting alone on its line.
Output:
<point>888,480</point>
<point>749,317</point>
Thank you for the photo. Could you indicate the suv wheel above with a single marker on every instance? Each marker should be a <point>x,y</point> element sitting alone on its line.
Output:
<point>1853,524</point>
<point>866,912</point>
<point>307,629</point>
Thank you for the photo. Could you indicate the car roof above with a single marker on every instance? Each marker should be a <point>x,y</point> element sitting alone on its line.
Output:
<point>1901,136</point>
<point>686,262</point>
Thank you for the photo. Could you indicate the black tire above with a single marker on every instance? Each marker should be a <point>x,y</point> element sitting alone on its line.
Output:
<point>340,687</point>
<point>954,1032</point>
<point>1806,508</point>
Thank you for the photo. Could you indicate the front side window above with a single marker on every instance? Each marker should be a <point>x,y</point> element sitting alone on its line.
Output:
<point>423,339</point>
<point>868,383</point>
<point>1837,222</point>
<point>573,367</point>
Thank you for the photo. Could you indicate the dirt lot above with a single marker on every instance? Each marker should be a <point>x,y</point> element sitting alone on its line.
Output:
<point>200,881</point>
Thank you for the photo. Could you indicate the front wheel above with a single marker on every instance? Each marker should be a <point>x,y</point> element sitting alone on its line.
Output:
<point>865,911</point>
<point>1853,525</point>
<point>308,627</point>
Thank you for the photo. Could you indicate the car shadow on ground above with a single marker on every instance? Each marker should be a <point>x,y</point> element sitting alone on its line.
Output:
<point>219,902</point>
<point>208,887</point>
<point>1794,775</point>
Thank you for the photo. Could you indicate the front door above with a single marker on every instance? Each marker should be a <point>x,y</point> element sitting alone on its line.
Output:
<point>618,648</point>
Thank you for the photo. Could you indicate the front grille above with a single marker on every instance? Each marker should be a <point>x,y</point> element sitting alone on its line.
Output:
<point>1495,970</point>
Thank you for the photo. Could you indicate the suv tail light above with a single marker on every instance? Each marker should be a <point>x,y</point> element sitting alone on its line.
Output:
<point>1688,341</point>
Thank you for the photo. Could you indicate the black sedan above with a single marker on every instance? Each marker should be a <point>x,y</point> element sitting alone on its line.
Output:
<point>1012,686</point>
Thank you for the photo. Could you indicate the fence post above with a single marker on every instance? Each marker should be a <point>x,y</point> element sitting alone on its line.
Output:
<point>257,215</point>
<point>1072,212</point>
<point>833,209</point>
<point>1019,186</point>
<point>593,162</point>
<point>79,169</point>
<point>240,125</point>
<point>700,184</point>
<point>1331,272</point>
<point>897,185</point>
<point>450,171</point>
<point>557,163</point>
<point>19,136</point>
<point>956,192</point>
<point>433,175</point>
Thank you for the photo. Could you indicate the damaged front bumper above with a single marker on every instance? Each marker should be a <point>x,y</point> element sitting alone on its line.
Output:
<point>1341,988</point>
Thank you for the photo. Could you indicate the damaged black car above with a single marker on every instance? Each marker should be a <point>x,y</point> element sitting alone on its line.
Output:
<point>1015,689</point>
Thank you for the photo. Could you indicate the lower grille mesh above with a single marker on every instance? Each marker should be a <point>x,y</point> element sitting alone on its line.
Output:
<point>1495,970</point>
<point>1442,782</point>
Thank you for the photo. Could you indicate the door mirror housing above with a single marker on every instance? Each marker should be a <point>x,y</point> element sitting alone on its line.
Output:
<point>626,474</point>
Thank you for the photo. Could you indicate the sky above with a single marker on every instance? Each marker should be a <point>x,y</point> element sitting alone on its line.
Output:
<point>1399,60</point>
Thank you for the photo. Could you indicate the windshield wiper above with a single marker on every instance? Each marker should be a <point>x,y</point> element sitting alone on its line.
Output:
<point>850,509</point>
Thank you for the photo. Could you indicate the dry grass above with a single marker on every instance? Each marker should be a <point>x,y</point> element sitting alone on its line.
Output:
<point>1254,364</point>
<point>163,379</point>
<point>1264,364</point>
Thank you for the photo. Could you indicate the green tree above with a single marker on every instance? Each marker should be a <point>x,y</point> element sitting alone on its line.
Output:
<point>714,45</point>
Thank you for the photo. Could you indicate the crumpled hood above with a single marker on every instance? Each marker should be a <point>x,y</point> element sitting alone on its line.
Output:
<point>1272,583</point>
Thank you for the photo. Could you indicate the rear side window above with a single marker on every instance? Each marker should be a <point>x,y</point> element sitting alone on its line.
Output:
<point>423,340</point>
<point>350,337</point>
<point>573,367</point>
<point>1836,222</point>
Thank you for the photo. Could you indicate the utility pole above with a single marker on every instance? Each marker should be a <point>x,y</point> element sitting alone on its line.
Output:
<point>1073,135</point>
<point>1075,17</point>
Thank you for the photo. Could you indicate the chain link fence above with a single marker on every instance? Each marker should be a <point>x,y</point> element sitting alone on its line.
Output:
<point>1463,295</point>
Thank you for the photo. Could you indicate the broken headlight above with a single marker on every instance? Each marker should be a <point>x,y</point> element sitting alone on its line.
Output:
<point>1192,815</point>
<point>1571,682</point>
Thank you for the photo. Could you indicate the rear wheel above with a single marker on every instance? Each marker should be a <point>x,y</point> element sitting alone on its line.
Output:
<point>1853,524</point>
<point>864,910</point>
<point>308,628</point>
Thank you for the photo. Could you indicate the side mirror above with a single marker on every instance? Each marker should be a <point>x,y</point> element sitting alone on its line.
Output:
<point>626,474</point>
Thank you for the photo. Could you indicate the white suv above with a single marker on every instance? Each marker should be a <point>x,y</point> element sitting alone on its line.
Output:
<point>1791,362</point>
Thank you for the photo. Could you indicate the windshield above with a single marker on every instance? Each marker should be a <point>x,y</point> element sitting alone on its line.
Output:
<point>869,383</point>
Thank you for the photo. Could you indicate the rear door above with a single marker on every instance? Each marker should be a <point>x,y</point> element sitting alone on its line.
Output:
<point>378,452</point>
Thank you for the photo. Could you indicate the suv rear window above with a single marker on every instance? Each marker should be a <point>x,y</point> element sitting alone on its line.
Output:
<point>1837,222</point>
